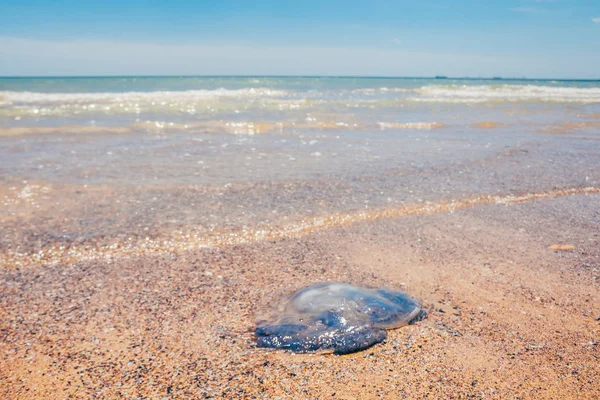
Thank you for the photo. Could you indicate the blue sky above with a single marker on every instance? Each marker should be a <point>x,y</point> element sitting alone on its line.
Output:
<point>533,38</point>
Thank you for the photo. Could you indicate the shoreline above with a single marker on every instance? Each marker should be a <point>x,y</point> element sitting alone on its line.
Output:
<point>67,254</point>
<point>507,315</point>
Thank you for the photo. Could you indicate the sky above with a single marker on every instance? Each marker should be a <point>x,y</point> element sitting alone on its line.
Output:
<point>477,38</point>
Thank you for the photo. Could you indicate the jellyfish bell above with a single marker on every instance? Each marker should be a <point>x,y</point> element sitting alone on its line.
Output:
<point>337,317</point>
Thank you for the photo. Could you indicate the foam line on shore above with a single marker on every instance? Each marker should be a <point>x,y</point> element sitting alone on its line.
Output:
<point>52,255</point>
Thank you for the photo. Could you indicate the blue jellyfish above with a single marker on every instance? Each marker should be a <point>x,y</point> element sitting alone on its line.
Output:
<point>338,318</point>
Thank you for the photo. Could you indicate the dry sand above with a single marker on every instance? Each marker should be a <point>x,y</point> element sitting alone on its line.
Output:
<point>509,317</point>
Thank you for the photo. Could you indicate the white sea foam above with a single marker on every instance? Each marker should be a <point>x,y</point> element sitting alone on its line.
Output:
<point>410,125</point>
<point>9,97</point>
<point>376,91</point>
<point>192,103</point>
<point>428,93</point>
<point>506,93</point>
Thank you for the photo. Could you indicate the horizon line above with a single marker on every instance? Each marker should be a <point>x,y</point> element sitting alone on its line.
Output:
<point>437,77</point>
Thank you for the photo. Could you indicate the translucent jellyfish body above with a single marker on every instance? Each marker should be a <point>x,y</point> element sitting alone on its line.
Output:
<point>337,318</point>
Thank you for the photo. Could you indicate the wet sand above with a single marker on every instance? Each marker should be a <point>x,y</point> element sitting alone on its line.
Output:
<point>508,317</point>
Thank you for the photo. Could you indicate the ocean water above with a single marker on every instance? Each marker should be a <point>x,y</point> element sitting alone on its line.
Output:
<point>177,160</point>
<point>236,104</point>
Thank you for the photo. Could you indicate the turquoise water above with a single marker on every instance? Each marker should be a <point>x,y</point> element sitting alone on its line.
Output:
<point>249,105</point>
<point>148,84</point>
<point>223,129</point>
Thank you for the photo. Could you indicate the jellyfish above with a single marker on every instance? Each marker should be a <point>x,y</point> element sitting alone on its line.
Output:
<point>339,318</point>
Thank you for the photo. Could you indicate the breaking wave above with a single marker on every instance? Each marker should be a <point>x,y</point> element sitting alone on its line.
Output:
<point>427,93</point>
<point>506,93</point>
<point>190,95</point>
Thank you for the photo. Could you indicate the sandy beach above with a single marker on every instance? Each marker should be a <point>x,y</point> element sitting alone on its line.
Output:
<point>508,317</point>
<point>135,263</point>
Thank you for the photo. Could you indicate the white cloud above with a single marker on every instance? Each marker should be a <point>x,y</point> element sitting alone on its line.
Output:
<point>596,20</point>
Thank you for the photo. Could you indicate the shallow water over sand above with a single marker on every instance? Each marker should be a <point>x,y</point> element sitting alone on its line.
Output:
<point>92,163</point>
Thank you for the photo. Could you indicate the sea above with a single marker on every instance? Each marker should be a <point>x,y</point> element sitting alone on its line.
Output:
<point>93,164</point>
